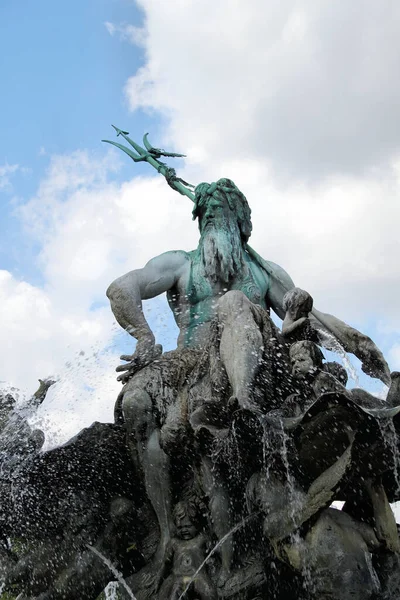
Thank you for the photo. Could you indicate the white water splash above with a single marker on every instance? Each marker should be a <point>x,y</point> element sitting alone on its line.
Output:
<point>332,344</point>
<point>111,591</point>
<point>113,570</point>
<point>275,442</point>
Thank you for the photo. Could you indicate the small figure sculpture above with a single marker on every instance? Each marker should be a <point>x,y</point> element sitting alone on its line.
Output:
<point>298,304</point>
<point>307,362</point>
<point>187,552</point>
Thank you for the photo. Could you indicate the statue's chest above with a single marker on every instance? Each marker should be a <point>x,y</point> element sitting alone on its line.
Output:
<point>251,282</point>
<point>249,287</point>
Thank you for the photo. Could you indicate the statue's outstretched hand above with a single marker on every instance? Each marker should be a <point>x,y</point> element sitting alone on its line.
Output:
<point>146,351</point>
<point>352,340</point>
<point>374,364</point>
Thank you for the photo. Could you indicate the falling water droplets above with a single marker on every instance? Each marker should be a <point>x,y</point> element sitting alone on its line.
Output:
<point>113,570</point>
<point>332,343</point>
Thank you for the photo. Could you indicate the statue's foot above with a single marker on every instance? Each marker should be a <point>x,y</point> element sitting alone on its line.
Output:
<point>244,403</point>
<point>211,418</point>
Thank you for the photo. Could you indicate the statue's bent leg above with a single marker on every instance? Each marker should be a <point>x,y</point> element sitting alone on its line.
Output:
<point>166,589</point>
<point>204,588</point>
<point>144,441</point>
<point>241,344</point>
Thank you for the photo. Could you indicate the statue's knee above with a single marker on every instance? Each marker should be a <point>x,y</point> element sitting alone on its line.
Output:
<point>230,303</point>
<point>173,438</point>
<point>137,407</point>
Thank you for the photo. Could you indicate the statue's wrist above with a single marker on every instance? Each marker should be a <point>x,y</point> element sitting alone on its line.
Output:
<point>146,335</point>
<point>141,333</point>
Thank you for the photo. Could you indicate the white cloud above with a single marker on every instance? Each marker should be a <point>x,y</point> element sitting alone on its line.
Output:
<point>110,27</point>
<point>92,230</point>
<point>129,33</point>
<point>6,172</point>
<point>339,239</point>
<point>311,88</point>
<point>41,337</point>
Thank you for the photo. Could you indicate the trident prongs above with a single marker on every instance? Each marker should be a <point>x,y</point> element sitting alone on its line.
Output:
<point>141,155</point>
<point>134,157</point>
<point>151,155</point>
<point>158,152</point>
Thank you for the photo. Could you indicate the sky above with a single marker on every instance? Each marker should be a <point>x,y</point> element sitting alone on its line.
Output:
<point>296,101</point>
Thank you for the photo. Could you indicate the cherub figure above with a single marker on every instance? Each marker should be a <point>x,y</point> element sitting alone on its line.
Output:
<point>308,367</point>
<point>187,551</point>
<point>297,304</point>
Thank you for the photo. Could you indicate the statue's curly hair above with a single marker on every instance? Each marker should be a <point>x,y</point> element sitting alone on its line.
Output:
<point>225,189</point>
<point>185,508</point>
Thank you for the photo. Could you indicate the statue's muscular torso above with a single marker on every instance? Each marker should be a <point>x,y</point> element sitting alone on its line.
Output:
<point>193,299</point>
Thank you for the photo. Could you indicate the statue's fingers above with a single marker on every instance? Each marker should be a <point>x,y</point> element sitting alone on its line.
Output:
<point>124,378</point>
<point>128,357</point>
<point>126,367</point>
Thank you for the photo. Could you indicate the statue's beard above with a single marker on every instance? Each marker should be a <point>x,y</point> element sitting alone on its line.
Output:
<point>221,250</point>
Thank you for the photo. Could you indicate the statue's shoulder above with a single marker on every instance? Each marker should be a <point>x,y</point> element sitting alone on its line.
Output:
<point>177,262</point>
<point>172,259</point>
<point>278,273</point>
<point>178,254</point>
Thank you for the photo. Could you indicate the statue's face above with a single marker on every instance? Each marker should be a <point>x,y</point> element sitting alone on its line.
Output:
<point>302,363</point>
<point>216,212</point>
<point>220,243</point>
<point>185,528</point>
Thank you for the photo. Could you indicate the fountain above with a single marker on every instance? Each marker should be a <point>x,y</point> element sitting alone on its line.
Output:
<point>218,476</point>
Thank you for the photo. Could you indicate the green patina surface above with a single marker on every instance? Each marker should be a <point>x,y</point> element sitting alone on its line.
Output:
<point>202,296</point>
